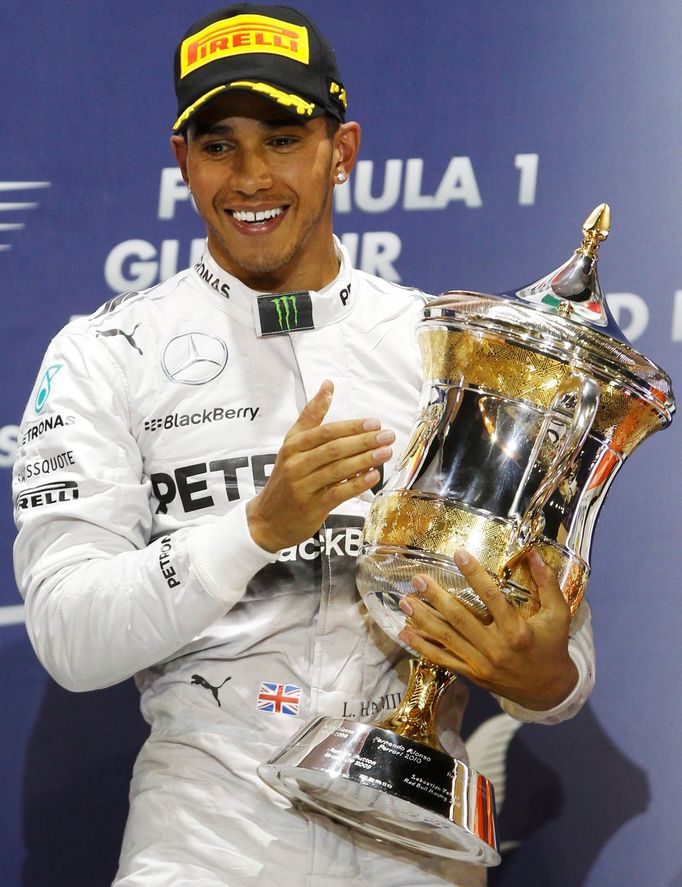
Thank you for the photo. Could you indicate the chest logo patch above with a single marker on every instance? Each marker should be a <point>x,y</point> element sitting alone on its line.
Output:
<point>280,699</point>
<point>285,313</point>
<point>46,387</point>
<point>194,358</point>
<point>202,682</point>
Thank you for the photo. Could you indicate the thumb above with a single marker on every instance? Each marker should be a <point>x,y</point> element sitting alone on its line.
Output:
<point>313,413</point>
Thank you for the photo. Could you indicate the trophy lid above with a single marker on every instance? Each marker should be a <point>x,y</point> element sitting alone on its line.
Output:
<point>573,290</point>
<point>564,314</point>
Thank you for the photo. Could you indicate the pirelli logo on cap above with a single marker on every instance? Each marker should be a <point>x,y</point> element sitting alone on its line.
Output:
<point>244,34</point>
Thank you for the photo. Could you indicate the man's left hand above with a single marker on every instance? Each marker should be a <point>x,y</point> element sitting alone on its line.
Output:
<point>523,660</point>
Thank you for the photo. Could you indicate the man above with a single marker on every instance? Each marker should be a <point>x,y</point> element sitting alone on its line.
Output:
<point>215,443</point>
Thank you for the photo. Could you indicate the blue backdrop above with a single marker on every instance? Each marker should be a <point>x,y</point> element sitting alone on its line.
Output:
<point>490,131</point>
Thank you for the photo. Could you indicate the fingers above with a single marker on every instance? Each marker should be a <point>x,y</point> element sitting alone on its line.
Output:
<point>345,458</point>
<point>442,640</point>
<point>479,579</point>
<point>340,441</point>
<point>313,413</point>
<point>524,660</point>
<point>321,456</point>
<point>438,614</point>
<point>318,467</point>
<point>549,590</point>
<point>482,583</point>
<point>434,652</point>
<point>322,444</point>
<point>338,469</point>
<point>335,495</point>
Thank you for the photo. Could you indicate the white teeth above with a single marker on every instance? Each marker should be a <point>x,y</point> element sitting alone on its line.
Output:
<point>261,216</point>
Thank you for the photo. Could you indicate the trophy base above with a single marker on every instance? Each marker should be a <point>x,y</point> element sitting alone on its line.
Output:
<point>390,787</point>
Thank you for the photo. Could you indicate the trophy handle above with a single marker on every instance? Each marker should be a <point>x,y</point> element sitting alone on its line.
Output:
<point>586,392</point>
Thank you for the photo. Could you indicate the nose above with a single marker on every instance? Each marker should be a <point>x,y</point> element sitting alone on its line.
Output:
<point>250,172</point>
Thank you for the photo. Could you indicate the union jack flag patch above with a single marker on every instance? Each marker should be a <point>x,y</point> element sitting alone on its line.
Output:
<point>278,699</point>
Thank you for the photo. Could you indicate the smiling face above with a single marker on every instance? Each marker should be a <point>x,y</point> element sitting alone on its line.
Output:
<point>263,183</point>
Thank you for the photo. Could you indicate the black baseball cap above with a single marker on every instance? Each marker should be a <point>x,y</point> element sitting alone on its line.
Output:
<point>274,51</point>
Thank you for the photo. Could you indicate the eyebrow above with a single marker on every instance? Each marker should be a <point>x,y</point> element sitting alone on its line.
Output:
<point>221,128</point>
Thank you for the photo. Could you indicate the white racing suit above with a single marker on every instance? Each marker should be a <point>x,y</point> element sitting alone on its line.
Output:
<point>151,424</point>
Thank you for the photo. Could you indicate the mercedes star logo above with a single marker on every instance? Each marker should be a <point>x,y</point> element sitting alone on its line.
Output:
<point>194,358</point>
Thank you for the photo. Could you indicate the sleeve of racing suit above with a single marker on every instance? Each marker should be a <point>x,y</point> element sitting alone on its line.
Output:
<point>102,602</point>
<point>581,651</point>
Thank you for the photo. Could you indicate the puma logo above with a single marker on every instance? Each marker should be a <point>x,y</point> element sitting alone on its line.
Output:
<point>127,336</point>
<point>202,682</point>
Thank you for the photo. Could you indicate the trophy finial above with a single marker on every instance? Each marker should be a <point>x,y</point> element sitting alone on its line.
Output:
<point>596,228</point>
<point>573,291</point>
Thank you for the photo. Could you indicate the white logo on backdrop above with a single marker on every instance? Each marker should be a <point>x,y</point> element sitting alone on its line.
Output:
<point>13,210</point>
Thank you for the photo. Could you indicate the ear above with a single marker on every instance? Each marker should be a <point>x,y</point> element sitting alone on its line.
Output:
<point>346,148</point>
<point>179,147</point>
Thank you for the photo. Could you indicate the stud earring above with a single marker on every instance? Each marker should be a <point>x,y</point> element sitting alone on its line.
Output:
<point>340,177</point>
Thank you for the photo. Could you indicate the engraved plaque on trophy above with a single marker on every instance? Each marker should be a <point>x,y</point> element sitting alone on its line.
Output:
<point>531,401</point>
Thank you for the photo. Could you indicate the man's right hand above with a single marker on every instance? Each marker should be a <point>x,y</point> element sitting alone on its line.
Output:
<point>317,468</point>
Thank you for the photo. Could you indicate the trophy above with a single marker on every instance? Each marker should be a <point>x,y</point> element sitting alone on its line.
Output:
<point>531,401</point>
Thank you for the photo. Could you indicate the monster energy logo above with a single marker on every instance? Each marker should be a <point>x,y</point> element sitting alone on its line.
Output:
<point>286,306</point>
<point>285,313</point>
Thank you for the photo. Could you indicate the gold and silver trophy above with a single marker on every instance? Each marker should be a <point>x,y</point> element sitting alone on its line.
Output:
<point>531,402</point>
